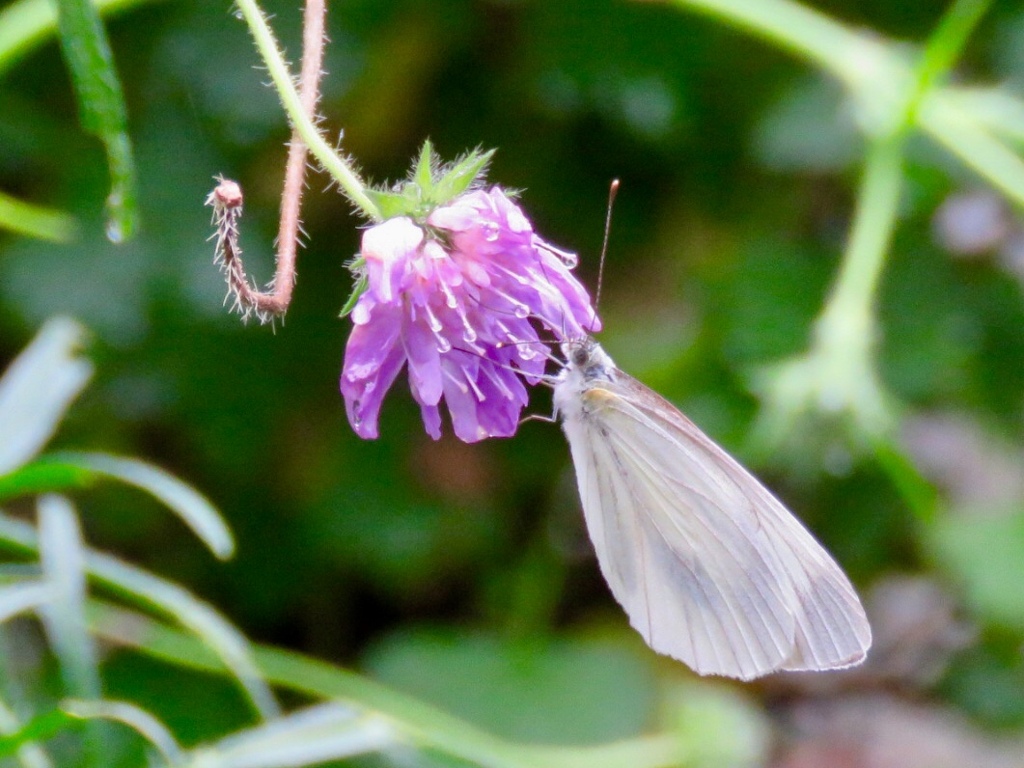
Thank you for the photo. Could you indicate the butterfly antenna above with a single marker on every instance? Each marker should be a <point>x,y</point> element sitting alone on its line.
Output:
<point>613,190</point>
<point>545,378</point>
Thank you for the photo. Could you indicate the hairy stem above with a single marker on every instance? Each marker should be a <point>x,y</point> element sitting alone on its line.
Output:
<point>332,162</point>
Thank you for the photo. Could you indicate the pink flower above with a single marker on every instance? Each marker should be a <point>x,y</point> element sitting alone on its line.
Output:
<point>459,300</point>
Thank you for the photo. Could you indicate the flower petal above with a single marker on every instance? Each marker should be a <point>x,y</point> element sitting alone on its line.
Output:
<point>373,359</point>
<point>387,249</point>
<point>464,307</point>
<point>424,362</point>
<point>363,406</point>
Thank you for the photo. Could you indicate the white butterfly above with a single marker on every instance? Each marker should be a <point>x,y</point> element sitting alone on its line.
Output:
<point>710,567</point>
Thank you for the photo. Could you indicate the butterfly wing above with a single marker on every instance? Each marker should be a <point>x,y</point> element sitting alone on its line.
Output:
<point>709,566</point>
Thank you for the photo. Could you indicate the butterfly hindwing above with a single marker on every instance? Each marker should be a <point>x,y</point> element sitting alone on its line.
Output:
<point>709,566</point>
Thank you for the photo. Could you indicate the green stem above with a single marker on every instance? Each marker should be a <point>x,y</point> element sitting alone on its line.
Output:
<point>872,229</point>
<point>332,162</point>
<point>878,201</point>
<point>948,40</point>
<point>790,25</point>
<point>960,132</point>
<point>423,725</point>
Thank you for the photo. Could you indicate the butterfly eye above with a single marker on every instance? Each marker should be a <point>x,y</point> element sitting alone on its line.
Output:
<point>579,356</point>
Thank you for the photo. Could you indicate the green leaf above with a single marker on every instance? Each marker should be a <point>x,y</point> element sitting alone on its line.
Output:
<point>101,106</point>
<point>167,599</point>
<point>917,492</point>
<point>63,615</point>
<point>37,388</point>
<point>29,754</point>
<point>36,221</point>
<point>40,728</point>
<point>62,555</point>
<point>536,690</point>
<point>719,726</point>
<point>985,551</point>
<point>60,471</point>
<point>20,597</point>
<point>419,725</point>
<point>308,736</point>
<point>192,507</point>
<point>44,475</point>
<point>460,176</point>
<point>135,717</point>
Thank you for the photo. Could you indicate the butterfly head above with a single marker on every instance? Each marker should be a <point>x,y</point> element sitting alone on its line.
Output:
<point>585,358</point>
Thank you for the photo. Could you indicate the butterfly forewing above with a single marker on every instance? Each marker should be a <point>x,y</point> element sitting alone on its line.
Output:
<point>727,621</point>
<point>709,566</point>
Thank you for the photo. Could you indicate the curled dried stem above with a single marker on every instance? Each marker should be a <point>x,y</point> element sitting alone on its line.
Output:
<point>226,199</point>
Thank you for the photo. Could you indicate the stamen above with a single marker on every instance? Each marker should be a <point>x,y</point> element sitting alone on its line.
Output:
<point>435,324</point>
<point>568,258</point>
<point>491,374</point>
<point>476,390</point>
<point>454,380</point>
<point>519,309</point>
<point>449,297</point>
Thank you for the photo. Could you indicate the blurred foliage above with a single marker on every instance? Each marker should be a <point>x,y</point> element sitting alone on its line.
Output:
<point>462,574</point>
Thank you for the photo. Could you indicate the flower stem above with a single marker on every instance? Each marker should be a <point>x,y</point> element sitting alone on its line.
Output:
<point>943,117</point>
<point>878,200</point>
<point>790,25</point>
<point>313,21</point>
<point>873,225</point>
<point>333,163</point>
<point>948,40</point>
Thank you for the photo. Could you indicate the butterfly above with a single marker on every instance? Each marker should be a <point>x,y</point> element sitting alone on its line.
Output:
<point>710,567</point>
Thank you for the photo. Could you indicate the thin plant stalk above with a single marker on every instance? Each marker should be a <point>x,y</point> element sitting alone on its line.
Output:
<point>338,167</point>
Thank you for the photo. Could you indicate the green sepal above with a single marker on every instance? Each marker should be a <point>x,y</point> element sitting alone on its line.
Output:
<point>458,177</point>
<point>358,290</point>
<point>426,167</point>
<point>391,204</point>
<point>430,184</point>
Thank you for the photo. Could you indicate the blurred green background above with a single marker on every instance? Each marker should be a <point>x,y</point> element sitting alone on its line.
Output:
<point>463,573</point>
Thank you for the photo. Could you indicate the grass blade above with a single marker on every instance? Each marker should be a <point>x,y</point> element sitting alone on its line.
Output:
<point>43,475</point>
<point>169,600</point>
<point>17,741</point>
<point>193,614</point>
<point>191,506</point>
<point>325,732</point>
<point>62,556</point>
<point>101,106</point>
<point>417,725</point>
<point>27,24</point>
<point>63,615</point>
<point>18,598</point>
<point>136,718</point>
<point>37,389</point>
<point>36,221</point>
